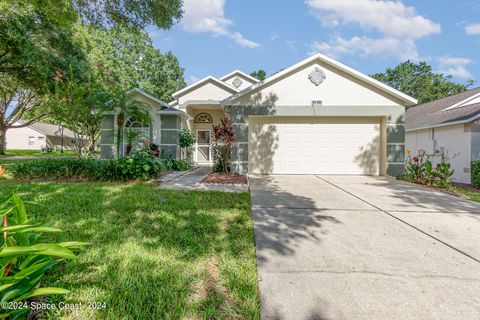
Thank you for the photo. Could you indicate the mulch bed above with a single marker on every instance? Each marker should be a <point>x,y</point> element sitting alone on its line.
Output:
<point>224,178</point>
<point>466,187</point>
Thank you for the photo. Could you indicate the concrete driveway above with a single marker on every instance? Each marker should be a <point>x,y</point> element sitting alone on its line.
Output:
<point>350,247</point>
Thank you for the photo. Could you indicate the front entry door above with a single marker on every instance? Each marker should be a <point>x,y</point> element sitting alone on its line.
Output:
<point>204,152</point>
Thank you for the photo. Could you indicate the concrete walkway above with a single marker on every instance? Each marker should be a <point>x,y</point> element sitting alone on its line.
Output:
<point>332,247</point>
<point>191,181</point>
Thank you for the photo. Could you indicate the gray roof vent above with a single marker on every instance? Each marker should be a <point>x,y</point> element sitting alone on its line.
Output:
<point>237,82</point>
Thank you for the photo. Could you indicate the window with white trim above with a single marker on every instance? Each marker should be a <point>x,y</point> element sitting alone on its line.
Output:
<point>31,141</point>
<point>142,129</point>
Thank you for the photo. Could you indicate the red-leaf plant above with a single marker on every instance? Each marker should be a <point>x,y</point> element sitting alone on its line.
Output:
<point>223,141</point>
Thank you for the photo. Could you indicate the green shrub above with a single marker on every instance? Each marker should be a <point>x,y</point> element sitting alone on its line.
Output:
<point>181,165</point>
<point>172,164</point>
<point>475,174</point>
<point>186,139</point>
<point>141,164</point>
<point>421,170</point>
<point>24,261</point>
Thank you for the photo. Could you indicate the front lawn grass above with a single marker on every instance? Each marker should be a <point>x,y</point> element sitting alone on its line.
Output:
<point>154,254</point>
<point>468,193</point>
<point>35,153</point>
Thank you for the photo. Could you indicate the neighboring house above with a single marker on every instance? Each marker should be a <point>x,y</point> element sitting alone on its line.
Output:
<point>315,117</point>
<point>448,128</point>
<point>38,136</point>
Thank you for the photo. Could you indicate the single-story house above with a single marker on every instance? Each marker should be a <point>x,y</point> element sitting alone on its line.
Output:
<point>318,116</point>
<point>448,128</point>
<point>42,136</point>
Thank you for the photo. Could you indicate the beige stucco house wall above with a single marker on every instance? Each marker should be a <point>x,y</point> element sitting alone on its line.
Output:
<point>453,141</point>
<point>33,138</point>
<point>449,129</point>
<point>25,139</point>
<point>348,121</point>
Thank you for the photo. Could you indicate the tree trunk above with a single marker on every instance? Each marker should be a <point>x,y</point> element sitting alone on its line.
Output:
<point>91,148</point>
<point>3,137</point>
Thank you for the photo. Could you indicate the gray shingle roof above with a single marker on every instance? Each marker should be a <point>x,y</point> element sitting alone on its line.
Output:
<point>432,114</point>
<point>51,129</point>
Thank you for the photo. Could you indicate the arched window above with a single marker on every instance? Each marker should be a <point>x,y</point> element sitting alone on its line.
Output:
<point>203,118</point>
<point>135,132</point>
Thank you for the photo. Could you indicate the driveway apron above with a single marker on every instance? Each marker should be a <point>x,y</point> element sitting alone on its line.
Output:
<point>354,247</point>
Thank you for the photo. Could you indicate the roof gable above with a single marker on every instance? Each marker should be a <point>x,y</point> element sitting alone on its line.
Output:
<point>149,97</point>
<point>325,62</point>
<point>203,82</point>
<point>241,74</point>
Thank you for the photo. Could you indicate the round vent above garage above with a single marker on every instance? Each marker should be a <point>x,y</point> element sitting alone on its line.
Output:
<point>317,76</point>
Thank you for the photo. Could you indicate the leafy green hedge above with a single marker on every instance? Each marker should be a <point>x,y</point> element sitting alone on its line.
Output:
<point>475,174</point>
<point>140,164</point>
<point>81,169</point>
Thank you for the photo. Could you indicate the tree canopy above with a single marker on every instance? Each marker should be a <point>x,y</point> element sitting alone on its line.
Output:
<point>132,61</point>
<point>419,81</point>
<point>129,13</point>
<point>259,74</point>
<point>34,45</point>
<point>135,14</point>
<point>44,42</point>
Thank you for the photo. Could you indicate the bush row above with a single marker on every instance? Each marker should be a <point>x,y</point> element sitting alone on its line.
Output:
<point>139,165</point>
<point>475,174</point>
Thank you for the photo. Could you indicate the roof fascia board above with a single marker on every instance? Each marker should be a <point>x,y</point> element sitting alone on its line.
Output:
<point>379,85</point>
<point>247,76</point>
<point>202,81</point>
<point>446,124</point>
<point>143,93</point>
<point>463,102</point>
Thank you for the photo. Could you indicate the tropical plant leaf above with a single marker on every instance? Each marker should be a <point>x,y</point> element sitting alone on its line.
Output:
<point>16,250</point>
<point>16,227</point>
<point>73,244</point>
<point>21,212</point>
<point>53,250</point>
<point>38,229</point>
<point>42,292</point>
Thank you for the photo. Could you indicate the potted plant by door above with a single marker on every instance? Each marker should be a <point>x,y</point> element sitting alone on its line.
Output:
<point>130,137</point>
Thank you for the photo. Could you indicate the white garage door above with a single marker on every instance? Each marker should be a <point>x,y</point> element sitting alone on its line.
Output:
<point>314,145</point>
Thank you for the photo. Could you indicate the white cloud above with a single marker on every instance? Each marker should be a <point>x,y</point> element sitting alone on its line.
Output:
<point>291,44</point>
<point>404,49</point>
<point>473,29</point>
<point>399,26</point>
<point>454,66</point>
<point>274,37</point>
<point>238,38</point>
<point>208,16</point>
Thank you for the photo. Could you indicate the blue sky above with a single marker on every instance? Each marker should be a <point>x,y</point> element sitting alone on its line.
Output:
<point>216,37</point>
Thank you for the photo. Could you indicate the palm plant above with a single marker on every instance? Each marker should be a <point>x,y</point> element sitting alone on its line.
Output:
<point>128,107</point>
<point>130,136</point>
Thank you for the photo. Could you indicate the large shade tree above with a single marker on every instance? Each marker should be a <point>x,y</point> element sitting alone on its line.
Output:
<point>119,59</point>
<point>419,81</point>
<point>132,61</point>
<point>36,46</point>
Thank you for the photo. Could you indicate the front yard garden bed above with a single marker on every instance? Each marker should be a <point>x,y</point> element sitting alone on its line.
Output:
<point>224,178</point>
<point>153,254</point>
